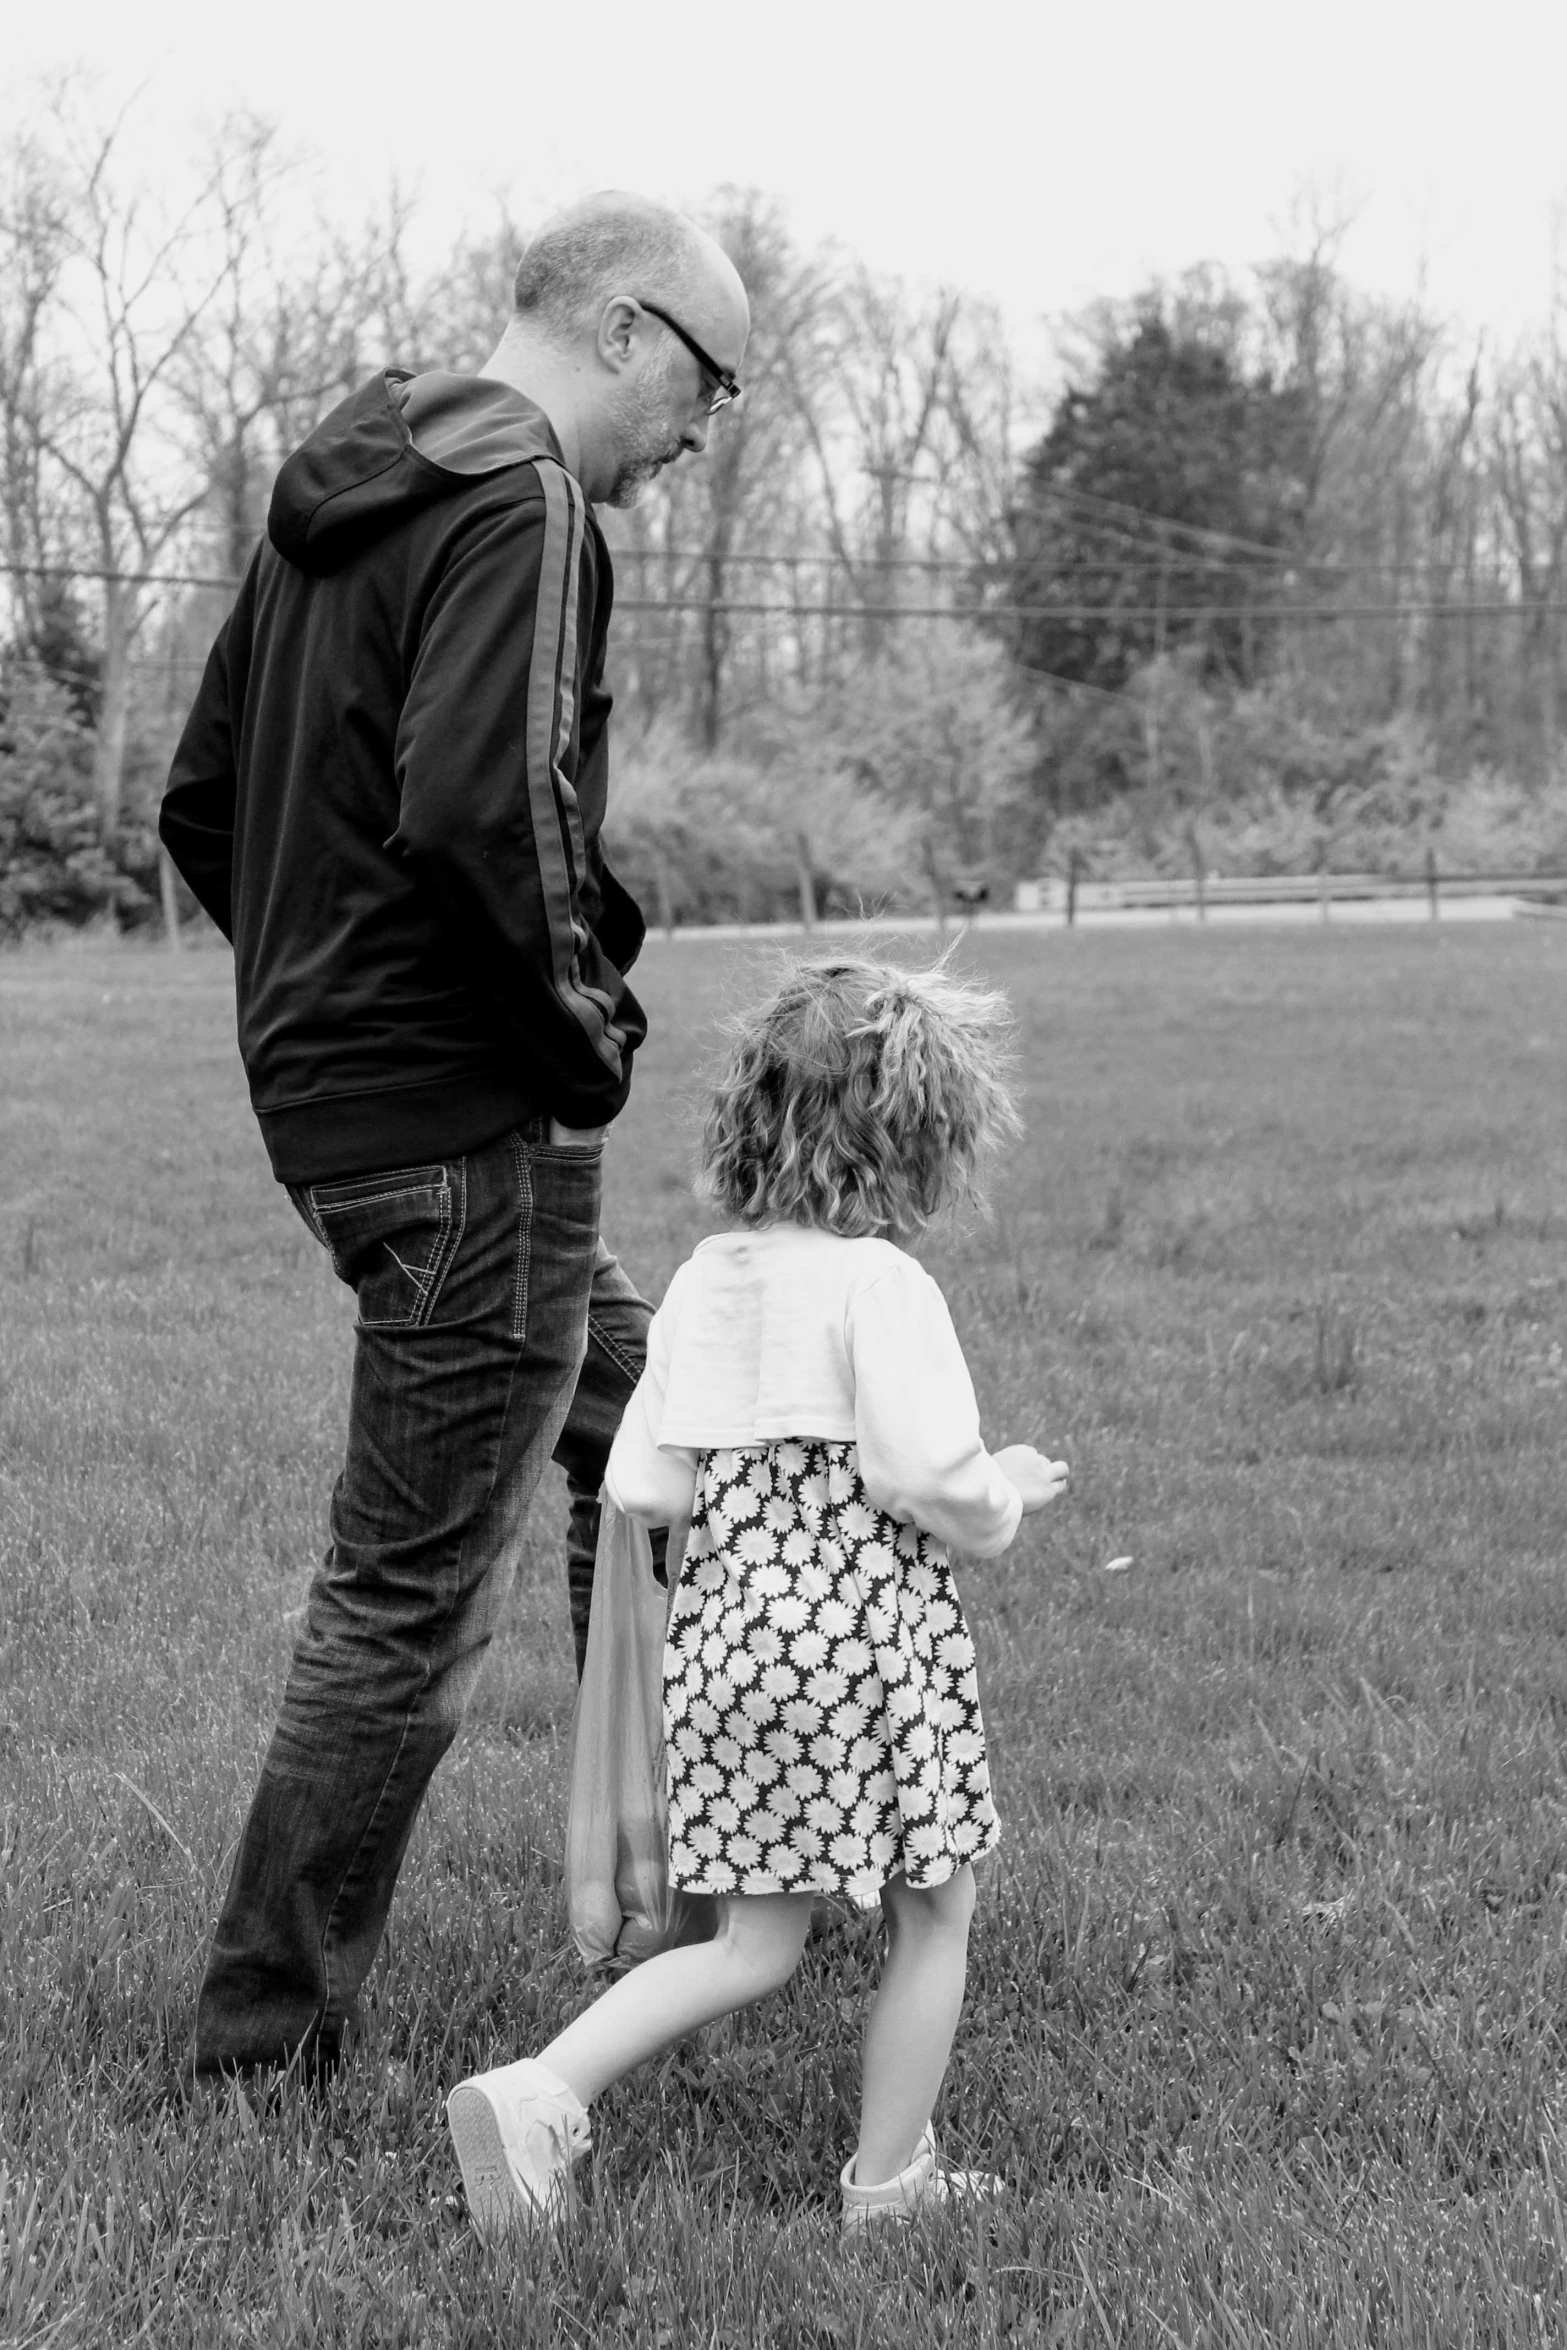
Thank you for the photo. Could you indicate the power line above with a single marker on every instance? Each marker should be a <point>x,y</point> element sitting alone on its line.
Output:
<point>964,567</point>
<point>1259,614</point>
<point>1246,551</point>
<point>1268,613</point>
<point>619,555</point>
<point>1168,528</point>
<point>107,578</point>
<point>1164,523</point>
<point>831,561</point>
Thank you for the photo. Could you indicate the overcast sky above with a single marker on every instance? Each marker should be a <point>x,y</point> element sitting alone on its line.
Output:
<point>1038,152</point>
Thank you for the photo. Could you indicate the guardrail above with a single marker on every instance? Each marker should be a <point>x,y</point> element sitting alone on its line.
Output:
<point>1072,893</point>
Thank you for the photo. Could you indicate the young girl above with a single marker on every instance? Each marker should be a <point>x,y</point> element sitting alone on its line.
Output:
<point>806,1407</point>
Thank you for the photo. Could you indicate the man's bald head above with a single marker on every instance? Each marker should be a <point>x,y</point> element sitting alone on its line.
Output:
<point>615,244</point>
<point>629,322</point>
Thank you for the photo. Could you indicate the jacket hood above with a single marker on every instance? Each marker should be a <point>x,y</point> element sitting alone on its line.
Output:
<point>401,442</point>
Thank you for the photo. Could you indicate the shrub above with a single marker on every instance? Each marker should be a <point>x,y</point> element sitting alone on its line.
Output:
<point>731,836</point>
<point>55,867</point>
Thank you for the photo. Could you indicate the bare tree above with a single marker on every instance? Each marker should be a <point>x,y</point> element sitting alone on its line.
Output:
<point>934,729</point>
<point>261,361</point>
<point>694,550</point>
<point>288,331</point>
<point>135,281</point>
<point>910,410</point>
<point>1528,467</point>
<point>33,247</point>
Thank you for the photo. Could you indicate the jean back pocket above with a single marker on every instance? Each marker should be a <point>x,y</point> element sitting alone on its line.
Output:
<point>392,1238</point>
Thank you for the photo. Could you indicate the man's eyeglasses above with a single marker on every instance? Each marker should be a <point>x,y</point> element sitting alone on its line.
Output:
<point>727,386</point>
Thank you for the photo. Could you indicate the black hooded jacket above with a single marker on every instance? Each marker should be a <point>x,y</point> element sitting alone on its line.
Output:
<point>389,791</point>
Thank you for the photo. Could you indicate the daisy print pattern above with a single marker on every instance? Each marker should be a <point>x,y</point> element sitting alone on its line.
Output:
<point>821,1711</point>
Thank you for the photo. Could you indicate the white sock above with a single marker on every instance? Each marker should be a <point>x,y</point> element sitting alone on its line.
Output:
<point>539,2077</point>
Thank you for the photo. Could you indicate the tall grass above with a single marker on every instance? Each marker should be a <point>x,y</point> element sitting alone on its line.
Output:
<point>1264,2025</point>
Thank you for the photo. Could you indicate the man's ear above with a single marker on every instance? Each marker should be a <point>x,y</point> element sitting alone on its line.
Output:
<point>617,331</point>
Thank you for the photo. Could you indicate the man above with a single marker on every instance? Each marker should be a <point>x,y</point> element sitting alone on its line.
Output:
<point>388,795</point>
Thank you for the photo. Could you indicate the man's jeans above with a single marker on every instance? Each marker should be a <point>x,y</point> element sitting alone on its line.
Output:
<point>494,1331</point>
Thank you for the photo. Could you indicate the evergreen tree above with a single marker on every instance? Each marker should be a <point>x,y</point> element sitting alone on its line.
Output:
<point>1159,510</point>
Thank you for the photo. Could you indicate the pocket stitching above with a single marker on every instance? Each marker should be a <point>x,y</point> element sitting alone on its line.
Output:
<point>453,1227</point>
<point>519,1292</point>
<point>373,1199</point>
<point>426,1281</point>
<point>422,1281</point>
<point>615,1351</point>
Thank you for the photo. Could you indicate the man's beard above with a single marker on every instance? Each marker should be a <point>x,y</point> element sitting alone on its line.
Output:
<point>650,442</point>
<point>633,479</point>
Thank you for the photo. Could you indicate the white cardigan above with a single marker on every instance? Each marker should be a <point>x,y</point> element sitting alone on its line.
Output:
<point>789,1331</point>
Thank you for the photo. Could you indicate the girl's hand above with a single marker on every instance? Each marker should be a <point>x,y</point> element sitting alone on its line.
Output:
<point>1037,1479</point>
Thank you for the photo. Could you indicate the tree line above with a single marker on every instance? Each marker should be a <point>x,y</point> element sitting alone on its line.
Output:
<point>1269,576</point>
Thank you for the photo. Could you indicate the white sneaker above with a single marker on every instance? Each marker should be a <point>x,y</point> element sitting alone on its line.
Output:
<point>921,2186</point>
<point>517,2131</point>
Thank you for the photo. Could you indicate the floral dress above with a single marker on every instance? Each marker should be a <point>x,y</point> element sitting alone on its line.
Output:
<point>821,1712</point>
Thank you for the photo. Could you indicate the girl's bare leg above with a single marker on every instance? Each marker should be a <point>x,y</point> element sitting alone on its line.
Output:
<point>756,1949</point>
<point>908,2033</point>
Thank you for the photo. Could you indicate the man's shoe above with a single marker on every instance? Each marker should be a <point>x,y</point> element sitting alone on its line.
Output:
<point>517,2131</point>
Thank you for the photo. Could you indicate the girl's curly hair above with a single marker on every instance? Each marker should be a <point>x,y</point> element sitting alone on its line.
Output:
<point>859,1098</point>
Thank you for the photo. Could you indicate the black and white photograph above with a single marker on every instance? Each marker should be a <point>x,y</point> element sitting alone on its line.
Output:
<point>783,1178</point>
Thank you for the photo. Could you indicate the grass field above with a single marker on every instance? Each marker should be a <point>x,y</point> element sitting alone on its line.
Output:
<point>1266,2016</point>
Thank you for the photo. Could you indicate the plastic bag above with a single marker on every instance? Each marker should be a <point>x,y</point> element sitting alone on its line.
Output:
<point>618,1895</point>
